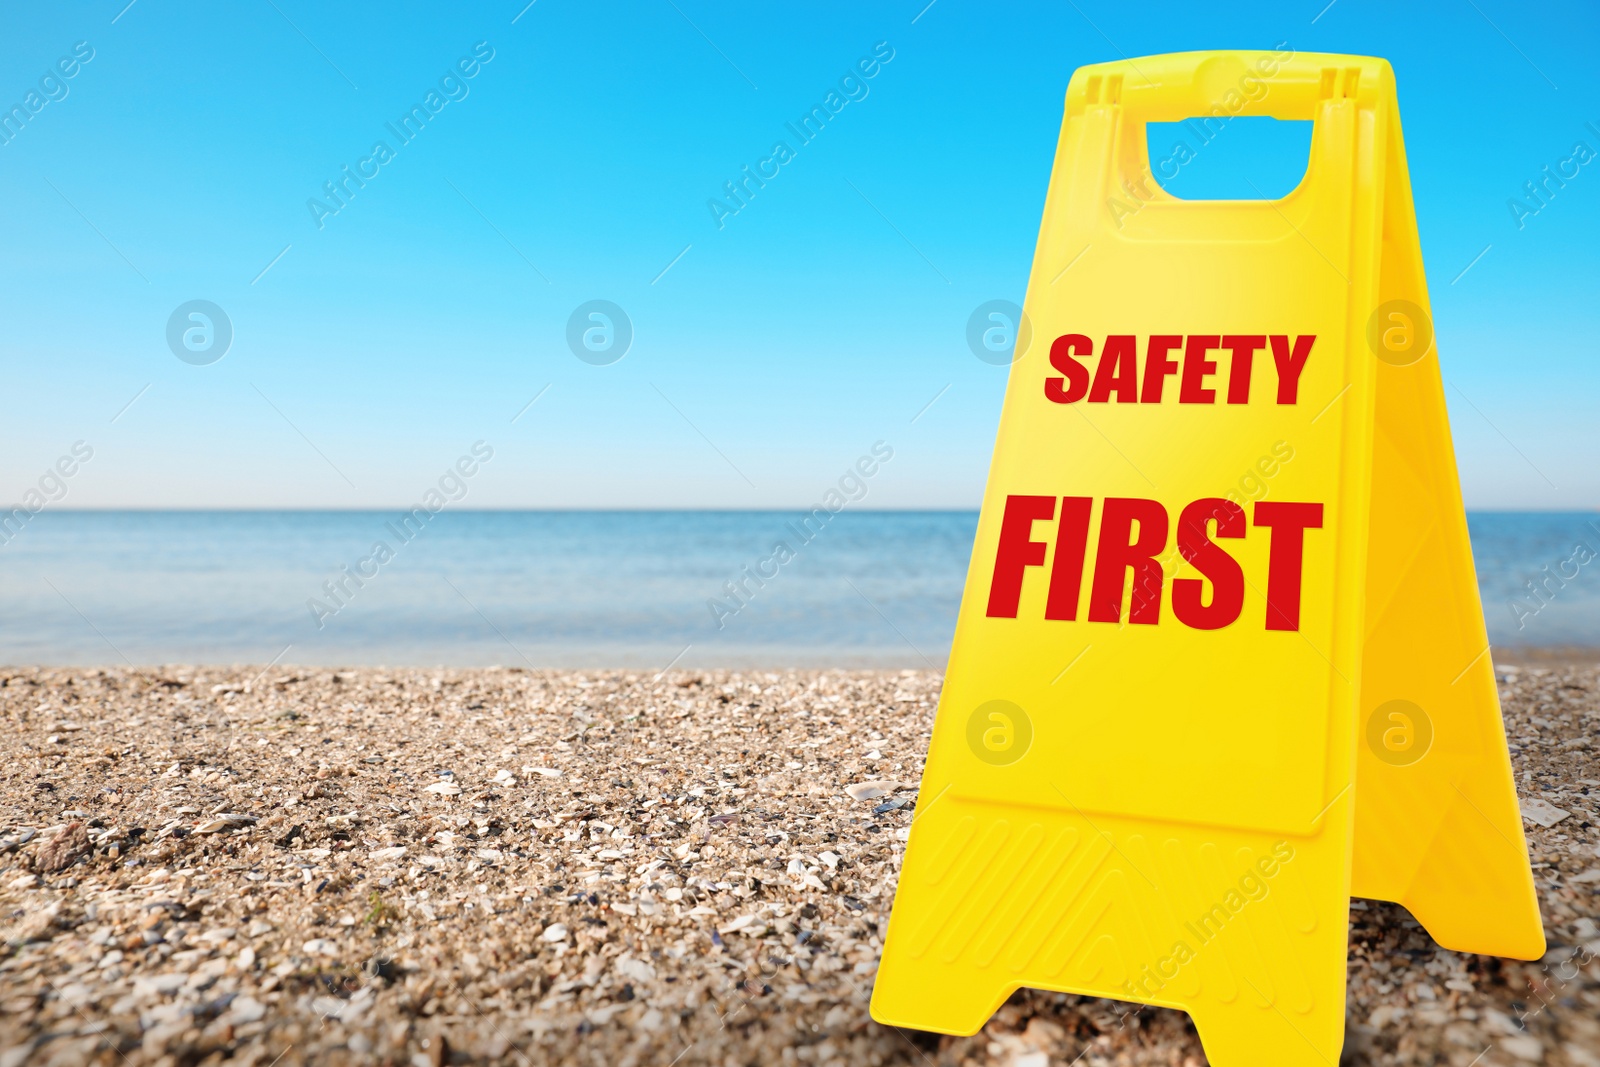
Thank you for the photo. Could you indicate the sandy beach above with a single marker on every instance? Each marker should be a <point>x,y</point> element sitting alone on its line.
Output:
<point>507,866</point>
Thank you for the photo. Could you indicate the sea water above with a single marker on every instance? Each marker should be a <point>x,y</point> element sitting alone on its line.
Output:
<point>638,589</point>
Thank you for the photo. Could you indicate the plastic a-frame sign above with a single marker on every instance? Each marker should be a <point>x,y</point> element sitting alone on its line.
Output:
<point>1220,662</point>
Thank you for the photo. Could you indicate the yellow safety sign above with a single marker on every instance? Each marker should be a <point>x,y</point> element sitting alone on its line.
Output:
<point>1221,660</point>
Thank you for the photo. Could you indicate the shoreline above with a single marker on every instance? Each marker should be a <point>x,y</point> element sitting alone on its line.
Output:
<point>825,661</point>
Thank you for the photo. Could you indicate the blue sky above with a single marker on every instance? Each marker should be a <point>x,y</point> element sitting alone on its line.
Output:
<point>577,164</point>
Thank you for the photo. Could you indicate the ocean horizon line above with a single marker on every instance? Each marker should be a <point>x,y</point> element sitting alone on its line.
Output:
<point>156,509</point>
<point>453,509</point>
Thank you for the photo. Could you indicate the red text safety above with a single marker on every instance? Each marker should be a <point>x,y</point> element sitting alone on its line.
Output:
<point>1195,360</point>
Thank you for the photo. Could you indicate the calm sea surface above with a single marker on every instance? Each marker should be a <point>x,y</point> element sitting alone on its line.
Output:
<point>581,589</point>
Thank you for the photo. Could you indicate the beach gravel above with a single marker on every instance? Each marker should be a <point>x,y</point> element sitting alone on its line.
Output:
<point>425,867</point>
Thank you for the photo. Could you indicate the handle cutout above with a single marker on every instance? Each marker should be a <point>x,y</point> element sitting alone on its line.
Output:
<point>1245,157</point>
